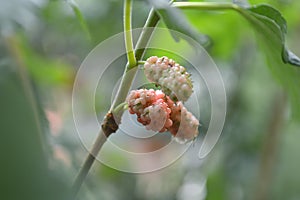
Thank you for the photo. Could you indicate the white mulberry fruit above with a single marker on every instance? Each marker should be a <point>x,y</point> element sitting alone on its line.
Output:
<point>173,78</point>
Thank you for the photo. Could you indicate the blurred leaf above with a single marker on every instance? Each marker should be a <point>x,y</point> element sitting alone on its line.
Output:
<point>175,20</point>
<point>24,170</point>
<point>216,185</point>
<point>26,17</point>
<point>80,17</point>
<point>43,70</point>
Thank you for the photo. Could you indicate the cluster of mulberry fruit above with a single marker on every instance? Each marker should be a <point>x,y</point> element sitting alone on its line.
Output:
<point>162,111</point>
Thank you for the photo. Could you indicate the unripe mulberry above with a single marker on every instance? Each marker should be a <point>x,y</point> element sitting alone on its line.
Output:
<point>151,108</point>
<point>173,78</point>
<point>185,124</point>
<point>158,112</point>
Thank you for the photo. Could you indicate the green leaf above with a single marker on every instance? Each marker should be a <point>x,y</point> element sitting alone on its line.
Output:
<point>265,17</point>
<point>271,13</point>
<point>271,28</point>
<point>175,20</point>
<point>79,17</point>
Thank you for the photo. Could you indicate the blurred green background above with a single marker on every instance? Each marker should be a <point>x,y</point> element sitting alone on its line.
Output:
<point>43,44</point>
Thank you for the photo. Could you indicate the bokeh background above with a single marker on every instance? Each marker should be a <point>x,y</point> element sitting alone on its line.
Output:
<point>41,48</point>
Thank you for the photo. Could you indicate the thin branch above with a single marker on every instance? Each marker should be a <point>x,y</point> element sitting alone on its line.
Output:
<point>101,138</point>
<point>121,107</point>
<point>206,5</point>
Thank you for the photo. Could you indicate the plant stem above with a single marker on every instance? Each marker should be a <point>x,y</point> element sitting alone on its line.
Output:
<point>213,6</point>
<point>120,107</point>
<point>141,62</point>
<point>101,138</point>
<point>127,33</point>
<point>206,5</point>
<point>130,71</point>
<point>119,98</point>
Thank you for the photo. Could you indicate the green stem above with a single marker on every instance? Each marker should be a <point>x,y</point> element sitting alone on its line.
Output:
<point>141,62</point>
<point>119,98</point>
<point>210,6</point>
<point>120,107</point>
<point>130,71</point>
<point>206,5</point>
<point>127,32</point>
<point>99,142</point>
<point>147,31</point>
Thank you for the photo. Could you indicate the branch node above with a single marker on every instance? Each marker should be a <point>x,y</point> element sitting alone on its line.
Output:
<point>109,124</point>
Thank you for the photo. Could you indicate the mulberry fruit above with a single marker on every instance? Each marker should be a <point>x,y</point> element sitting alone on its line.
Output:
<point>158,112</point>
<point>172,77</point>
